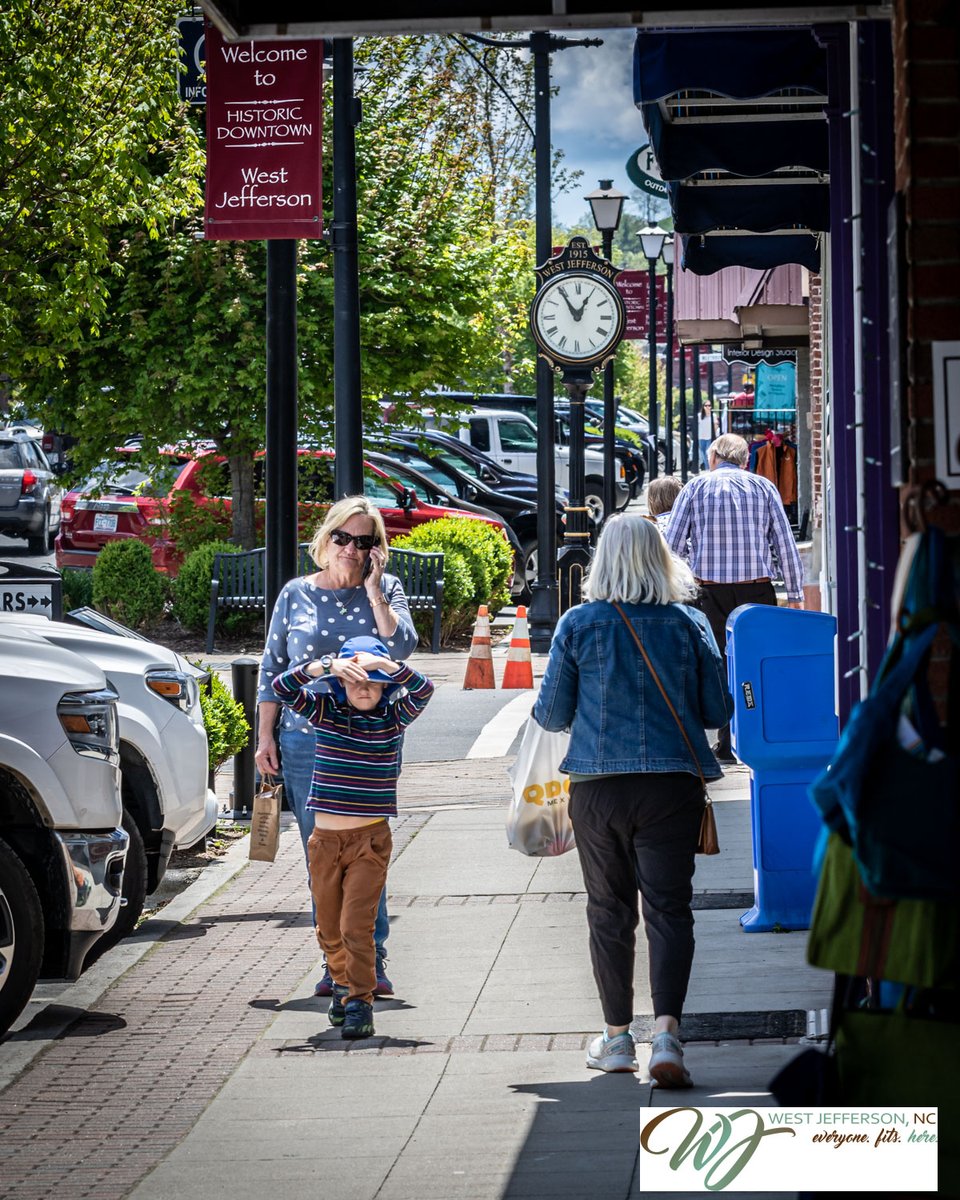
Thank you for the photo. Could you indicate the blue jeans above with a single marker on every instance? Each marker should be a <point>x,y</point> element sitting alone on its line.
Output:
<point>704,444</point>
<point>296,762</point>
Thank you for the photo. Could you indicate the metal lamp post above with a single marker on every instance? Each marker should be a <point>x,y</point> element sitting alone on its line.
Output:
<point>652,239</point>
<point>669,249</point>
<point>607,205</point>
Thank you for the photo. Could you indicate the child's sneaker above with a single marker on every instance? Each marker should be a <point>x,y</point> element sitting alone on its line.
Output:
<point>666,1063</point>
<point>613,1054</point>
<point>337,1012</point>
<point>358,1021</point>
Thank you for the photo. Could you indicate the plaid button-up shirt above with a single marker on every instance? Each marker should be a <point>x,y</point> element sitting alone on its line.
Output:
<point>735,524</point>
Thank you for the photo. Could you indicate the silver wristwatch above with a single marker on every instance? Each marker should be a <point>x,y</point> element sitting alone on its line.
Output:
<point>327,663</point>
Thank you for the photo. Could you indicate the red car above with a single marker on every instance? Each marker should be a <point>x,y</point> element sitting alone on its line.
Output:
<point>135,501</point>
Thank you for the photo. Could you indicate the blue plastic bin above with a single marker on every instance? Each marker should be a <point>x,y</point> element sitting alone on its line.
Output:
<point>781,670</point>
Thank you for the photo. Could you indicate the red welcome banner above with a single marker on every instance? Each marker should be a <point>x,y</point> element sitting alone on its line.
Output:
<point>264,129</point>
<point>634,287</point>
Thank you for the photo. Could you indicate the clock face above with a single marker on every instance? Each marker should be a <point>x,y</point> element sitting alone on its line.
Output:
<point>577,317</point>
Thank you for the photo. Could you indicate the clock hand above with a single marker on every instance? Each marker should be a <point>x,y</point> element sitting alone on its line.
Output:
<point>563,292</point>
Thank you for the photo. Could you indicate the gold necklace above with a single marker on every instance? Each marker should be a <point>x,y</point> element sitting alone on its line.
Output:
<point>344,605</point>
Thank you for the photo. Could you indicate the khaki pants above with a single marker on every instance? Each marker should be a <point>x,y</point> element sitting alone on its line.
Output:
<point>348,868</point>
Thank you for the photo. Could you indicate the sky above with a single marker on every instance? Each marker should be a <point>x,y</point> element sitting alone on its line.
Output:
<point>593,118</point>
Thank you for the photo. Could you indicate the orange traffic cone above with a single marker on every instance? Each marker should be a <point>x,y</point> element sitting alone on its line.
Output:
<point>480,663</point>
<point>518,673</point>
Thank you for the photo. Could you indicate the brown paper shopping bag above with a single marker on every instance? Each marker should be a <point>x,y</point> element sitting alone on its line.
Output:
<point>265,826</point>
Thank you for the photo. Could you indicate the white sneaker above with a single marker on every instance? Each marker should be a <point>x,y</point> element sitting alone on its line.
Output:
<point>666,1063</point>
<point>613,1054</point>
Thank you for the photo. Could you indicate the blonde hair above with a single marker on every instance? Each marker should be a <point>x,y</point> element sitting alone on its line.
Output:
<point>730,448</point>
<point>343,510</point>
<point>633,563</point>
<point>661,494</point>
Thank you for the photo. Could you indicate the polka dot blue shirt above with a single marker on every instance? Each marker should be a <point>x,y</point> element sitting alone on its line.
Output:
<point>309,621</point>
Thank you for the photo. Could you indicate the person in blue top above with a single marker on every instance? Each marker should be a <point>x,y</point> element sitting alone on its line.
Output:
<point>636,800</point>
<point>350,594</point>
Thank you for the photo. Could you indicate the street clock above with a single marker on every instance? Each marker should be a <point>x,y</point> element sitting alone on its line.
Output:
<point>578,317</point>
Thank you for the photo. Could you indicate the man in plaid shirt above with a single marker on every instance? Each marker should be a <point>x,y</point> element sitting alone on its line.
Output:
<point>730,526</point>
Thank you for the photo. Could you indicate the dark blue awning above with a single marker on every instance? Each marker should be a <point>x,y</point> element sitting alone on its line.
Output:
<point>748,148</point>
<point>705,254</point>
<point>758,207</point>
<point>742,64</point>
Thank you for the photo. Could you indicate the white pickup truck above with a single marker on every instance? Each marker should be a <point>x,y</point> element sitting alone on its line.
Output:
<point>61,847</point>
<point>167,803</point>
<point>510,439</point>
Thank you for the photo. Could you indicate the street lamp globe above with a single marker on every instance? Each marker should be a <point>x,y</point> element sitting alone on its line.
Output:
<point>607,205</point>
<point>669,247</point>
<point>652,239</point>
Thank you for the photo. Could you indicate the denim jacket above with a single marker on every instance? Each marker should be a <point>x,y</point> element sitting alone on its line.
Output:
<point>597,686</point>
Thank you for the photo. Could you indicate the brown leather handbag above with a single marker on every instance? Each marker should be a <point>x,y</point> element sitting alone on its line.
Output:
<point>708,842</point>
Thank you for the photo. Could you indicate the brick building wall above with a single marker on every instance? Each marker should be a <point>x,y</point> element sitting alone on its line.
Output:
<point>926,50</point>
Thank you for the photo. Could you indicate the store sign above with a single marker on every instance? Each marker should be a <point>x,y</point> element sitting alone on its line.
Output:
<point>25,589</point>
<point>634,287</point>
<point>264,128</point>
<point>946,411</point>
<point>191,78</point>
<point>643,172</point>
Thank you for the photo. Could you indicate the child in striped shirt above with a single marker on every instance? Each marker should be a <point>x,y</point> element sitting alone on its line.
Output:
<point>359,721</point>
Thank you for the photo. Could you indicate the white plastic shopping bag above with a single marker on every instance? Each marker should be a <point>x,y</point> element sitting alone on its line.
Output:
<point>538,820</point>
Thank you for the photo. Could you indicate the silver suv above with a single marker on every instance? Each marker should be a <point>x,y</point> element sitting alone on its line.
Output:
<point>167,801</point>
<point>29,493</point>
<point>61,848</point>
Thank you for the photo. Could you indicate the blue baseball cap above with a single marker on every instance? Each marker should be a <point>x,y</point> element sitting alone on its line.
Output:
<point>364,645</point>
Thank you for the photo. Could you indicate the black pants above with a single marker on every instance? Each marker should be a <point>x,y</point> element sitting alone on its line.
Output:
<point>717,601</point>
<point>639,832</point>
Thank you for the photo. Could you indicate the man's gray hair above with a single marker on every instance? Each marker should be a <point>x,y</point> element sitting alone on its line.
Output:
<point>730,448</point>
<point>633,563</point>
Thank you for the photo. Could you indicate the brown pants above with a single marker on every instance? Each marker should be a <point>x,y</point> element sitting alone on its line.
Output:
<point>348,868</point>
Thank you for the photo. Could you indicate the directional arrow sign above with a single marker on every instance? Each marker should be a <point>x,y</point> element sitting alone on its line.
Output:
<point>26,597</point>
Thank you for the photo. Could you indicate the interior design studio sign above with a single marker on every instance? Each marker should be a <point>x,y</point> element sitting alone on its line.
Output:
<point>264,128</point>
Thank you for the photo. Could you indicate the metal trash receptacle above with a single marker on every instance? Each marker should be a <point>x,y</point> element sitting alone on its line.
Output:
<point>781,673</point>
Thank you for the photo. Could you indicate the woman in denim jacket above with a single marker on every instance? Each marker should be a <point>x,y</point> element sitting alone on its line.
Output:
<point>635,795</point>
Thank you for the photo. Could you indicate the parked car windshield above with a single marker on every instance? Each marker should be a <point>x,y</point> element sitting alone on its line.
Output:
<point>127,479</point>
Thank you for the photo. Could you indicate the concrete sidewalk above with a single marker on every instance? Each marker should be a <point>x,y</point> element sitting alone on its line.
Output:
<point>209,1069</point>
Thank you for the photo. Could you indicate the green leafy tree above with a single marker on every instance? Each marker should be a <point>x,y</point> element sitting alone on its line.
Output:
<point>93,141</point>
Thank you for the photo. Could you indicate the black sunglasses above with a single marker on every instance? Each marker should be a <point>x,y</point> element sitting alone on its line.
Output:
<point>362,541</point>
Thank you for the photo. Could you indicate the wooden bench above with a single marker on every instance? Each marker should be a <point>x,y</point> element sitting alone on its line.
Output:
<point>238,584</point>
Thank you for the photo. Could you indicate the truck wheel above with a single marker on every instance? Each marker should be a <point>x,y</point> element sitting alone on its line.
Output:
<point>43,542</point>
<point>593,498</point>
<point>21,937</point>
<point>133,890</point>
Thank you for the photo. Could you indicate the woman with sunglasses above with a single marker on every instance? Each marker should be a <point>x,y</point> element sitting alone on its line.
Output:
<point>350,595</point>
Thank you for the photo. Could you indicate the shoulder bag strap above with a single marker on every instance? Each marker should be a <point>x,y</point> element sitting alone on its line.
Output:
<point>666,698</point>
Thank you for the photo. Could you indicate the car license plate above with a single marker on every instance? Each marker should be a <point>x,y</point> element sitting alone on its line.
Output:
<point>104,522</point>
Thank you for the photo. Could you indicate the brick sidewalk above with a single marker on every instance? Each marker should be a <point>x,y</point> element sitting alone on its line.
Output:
<point>104,1104</point>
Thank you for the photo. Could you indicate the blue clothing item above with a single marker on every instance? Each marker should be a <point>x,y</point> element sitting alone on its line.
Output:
<point>597,685</point>
<point>705,444</point>
<point>309,621</point>
<point>297,756</point>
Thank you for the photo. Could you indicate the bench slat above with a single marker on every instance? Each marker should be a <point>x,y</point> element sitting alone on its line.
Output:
<point>239,583</point>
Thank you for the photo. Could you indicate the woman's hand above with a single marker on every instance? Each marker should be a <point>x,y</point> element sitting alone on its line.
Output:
<point>377,561</point>
<point>266,758</point>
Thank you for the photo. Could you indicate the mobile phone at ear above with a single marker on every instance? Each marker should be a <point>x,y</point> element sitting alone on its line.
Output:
<point>368,565</point>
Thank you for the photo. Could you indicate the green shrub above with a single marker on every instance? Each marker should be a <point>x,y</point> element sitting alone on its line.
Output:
<point>76,588</point>
<point>477,567</point>
<point>126,585</point>
<point>228,730</point>
<point>191,525</point>
<point>191,588</point>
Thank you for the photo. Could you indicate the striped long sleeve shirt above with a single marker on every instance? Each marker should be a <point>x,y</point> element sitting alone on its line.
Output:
<point>358,753</point>
<point>735,523</point>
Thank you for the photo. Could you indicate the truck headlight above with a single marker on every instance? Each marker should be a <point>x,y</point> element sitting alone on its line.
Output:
<point>89,720</point>
<point>177,687</point>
